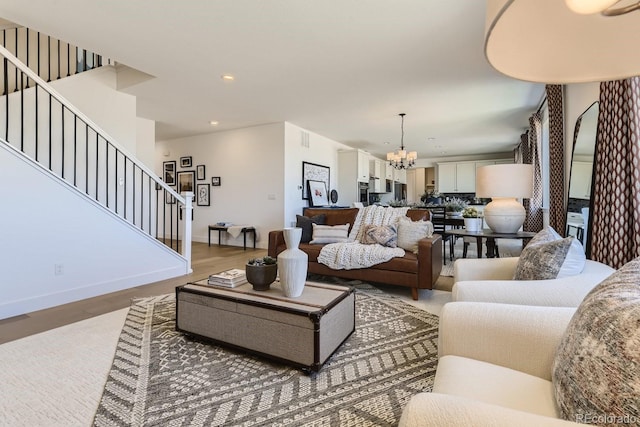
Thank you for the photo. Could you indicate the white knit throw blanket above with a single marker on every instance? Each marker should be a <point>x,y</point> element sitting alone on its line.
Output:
<point>353,255</point>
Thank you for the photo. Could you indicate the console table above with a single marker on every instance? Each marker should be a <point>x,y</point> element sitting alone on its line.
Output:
<point>491,237</point>
<point>244,230</point>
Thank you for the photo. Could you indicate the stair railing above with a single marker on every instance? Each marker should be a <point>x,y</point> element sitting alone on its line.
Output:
<point>47,128</point>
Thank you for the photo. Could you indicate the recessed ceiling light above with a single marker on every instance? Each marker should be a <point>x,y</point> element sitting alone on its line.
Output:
<point>227,77</point>
<point>386,143</point>
<point>431,138</point>
<point>213,123</point>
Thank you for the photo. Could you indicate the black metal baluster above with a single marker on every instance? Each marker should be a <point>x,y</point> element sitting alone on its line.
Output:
<point>116,192</point>
<point>97,169</point>
<point>39,75</point>
<point>133,193</point>
<point>62,139</point>
<point>49,57</point>
<point>50,134</point>
<point>27,55</point>
<point>6,99</point>
<point>141,199</point>
<point>21,112</point>
<point>68,59</point>
<point>36,118</point>
<point>86,159</point>
<point>106,179</point>
<point>84,59</point>
<point>76,60</point>
<point>59,56</point>
<point>75,149</point>
<point>171,224</point>
<point>16,43</point>
<point>125,187</point>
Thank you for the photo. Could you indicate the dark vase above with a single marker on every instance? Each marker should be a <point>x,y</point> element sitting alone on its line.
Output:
<point>261,276</point>
<point>434,200</point>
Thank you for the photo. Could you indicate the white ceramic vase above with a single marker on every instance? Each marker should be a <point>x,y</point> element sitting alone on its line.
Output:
<point>473,224</point>
<point>292,264</point>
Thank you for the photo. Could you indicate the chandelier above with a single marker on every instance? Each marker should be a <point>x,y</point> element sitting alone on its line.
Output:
<point>400,159</point>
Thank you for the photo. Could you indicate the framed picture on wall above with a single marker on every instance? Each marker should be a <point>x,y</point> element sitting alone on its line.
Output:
<point>314,172</point>
<point>169,172</point>
<point>186,181</point>
<point>200,172</point>
<point>215,181</point>
<point>317,193</point>
<point>185,162</point>
<point>202,198</point>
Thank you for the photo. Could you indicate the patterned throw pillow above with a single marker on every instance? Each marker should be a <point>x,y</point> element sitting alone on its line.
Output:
<point>549,256</point>
<point>411,232</point>
<point>596,369</point>
<point>385,235</point>
<point>542,261</point>
<point>305,222</point>
<point>330,234</point>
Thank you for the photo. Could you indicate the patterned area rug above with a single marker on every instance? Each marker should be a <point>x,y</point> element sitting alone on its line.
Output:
<point>161,377</point>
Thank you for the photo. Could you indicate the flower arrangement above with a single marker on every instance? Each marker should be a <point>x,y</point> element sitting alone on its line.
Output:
<point>470,212</point>
<point>397,203</point>
<point>455,204</point>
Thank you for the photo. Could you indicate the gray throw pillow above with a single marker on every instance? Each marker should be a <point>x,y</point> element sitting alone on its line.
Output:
<point>305,222</point>
<point>596,369</point>
<point>385,235</point>
<point>543,260</point>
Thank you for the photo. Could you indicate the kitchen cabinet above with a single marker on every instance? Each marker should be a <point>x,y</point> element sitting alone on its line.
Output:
<point>415,184</point>
<point>388,171</point>
<point>580,187</point>
<point>376,169</point>
<point>353,169</point>
<point>457,177</point>
<point>400,175</point>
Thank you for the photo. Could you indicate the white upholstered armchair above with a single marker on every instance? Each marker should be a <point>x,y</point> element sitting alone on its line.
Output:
<point>491,280</point>
<point>494,369</point>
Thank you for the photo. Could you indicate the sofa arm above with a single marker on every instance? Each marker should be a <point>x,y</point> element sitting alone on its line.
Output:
<point>484,269</point>
<point>429,261</point>
<point>276,243</point>
<point>519,337</point>
<point>434,409</point>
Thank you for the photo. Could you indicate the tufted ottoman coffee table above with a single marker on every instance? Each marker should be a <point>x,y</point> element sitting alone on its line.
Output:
<point>302,331</point>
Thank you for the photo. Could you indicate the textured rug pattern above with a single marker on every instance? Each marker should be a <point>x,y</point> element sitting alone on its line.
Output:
<point>161,377</point>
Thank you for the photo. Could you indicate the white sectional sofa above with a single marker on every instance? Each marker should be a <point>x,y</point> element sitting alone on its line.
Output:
<point>491,280</point>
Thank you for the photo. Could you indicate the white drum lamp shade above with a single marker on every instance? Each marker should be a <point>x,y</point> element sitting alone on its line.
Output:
<point>504,184</point>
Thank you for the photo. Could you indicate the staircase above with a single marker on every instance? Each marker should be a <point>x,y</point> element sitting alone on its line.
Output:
<point>39,123</point>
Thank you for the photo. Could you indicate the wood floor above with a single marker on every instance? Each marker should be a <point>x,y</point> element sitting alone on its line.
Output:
<point>205,260</point>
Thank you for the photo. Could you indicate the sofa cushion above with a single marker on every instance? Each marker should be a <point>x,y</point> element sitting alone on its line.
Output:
<point>305,222</point>
<point>329,234</point>
<point>385,235</point>
<point>549,256</point>
<point>334,216</point>
<point>411,232</point>
<point>494,384</point>
<point>596,370</point>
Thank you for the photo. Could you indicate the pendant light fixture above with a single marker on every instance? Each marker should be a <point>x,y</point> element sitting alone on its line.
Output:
<point>400,159</point>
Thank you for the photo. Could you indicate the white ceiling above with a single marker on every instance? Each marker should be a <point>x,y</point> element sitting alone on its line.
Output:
<point>340,68</point>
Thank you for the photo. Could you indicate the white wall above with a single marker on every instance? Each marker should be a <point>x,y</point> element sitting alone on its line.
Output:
<point>94,93</point>
<point>49,224</point>
<point>321,151</point>
<point>250,164</point>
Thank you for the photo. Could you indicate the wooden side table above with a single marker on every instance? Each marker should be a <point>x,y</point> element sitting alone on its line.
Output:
<point>491,237</point>
<point>244,230</point>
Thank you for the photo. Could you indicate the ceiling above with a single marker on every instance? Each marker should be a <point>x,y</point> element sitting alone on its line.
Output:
<point>341,68</point>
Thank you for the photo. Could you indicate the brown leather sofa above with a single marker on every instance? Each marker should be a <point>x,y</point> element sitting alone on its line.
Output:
<point>413,271</point>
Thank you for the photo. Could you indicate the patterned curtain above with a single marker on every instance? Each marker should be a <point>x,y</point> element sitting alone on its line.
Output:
<point>531,155</point>
<point>615,216</point>
<point>557,204</point>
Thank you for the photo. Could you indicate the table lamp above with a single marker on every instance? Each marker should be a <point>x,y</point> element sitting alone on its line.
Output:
<point>503,184</point>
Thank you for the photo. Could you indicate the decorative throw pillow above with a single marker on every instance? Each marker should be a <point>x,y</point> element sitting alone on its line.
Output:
<point>596,369</point>
<point>305,222</point>
<point>330,234</point>
<point>411,232</point>
<point>542,261</point>
<point>549,256</point>
<point>385,235</point>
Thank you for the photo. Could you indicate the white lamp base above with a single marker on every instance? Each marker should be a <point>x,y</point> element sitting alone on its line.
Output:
<point>504,215</point>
